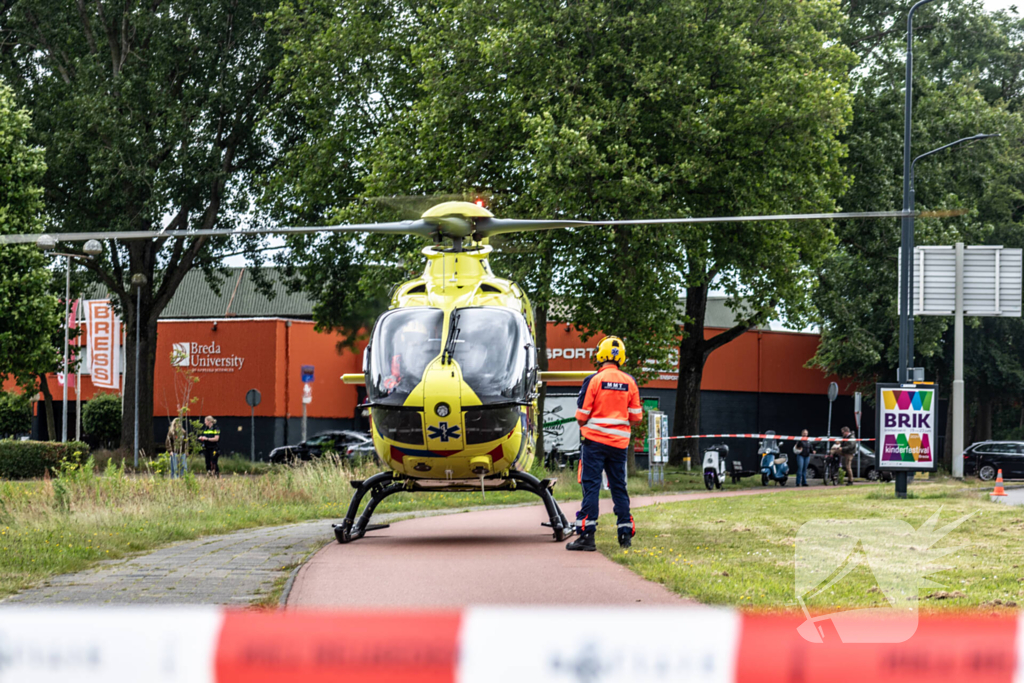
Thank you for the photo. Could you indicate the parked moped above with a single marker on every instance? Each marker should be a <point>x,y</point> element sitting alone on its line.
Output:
<point>774,465</point>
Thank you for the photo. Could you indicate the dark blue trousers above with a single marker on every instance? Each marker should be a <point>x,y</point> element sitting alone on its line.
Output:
<point>598,458</point>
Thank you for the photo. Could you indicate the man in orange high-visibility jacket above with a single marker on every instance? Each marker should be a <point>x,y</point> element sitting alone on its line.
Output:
<point>608,403</point>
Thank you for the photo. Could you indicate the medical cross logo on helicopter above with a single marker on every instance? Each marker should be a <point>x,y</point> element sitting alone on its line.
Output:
<point>451,369</point>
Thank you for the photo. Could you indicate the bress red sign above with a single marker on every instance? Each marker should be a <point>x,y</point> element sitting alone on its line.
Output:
<point>104,343</point>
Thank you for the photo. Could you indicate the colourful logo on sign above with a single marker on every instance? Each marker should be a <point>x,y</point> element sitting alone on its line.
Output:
<point>908,410</point>
<point>907,400</point>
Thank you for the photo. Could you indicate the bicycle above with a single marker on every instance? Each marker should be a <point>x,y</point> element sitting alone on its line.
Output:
<point>830,463</point>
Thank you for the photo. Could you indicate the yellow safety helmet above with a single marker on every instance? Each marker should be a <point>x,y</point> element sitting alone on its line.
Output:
<point>611,349</point>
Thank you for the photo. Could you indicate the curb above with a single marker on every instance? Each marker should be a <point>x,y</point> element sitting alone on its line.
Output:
<point>286,591</point>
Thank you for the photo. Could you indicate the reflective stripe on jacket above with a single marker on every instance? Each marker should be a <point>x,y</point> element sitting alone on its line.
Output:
<point>609,401</point>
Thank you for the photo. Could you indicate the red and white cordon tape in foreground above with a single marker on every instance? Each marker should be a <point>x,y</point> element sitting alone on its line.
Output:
<point>777,437</point>
<point>490,644</point>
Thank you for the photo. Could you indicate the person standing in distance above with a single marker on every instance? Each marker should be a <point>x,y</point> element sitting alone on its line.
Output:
<point>209,438</point>
<point>848,448</point>
<point>608,403</point>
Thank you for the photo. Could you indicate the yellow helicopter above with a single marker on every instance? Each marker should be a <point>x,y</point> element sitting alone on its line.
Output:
<point>452,379</point>
<point>451,369</point>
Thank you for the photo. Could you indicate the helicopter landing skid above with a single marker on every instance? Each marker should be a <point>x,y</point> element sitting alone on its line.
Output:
<point>385,484</point>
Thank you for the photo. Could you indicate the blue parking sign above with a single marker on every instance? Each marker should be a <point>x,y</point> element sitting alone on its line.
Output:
<point>307,373</point>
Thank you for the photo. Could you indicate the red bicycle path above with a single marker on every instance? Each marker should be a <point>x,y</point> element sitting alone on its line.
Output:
<point>488,557</point>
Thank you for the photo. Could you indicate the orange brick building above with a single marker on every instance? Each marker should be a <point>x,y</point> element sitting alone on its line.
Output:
<point>239,340</point>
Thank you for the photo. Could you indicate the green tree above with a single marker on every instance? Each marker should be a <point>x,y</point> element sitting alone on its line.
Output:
<point>607,110</point>
<point>148,114</point>
<point>31,314</point>
<point>967,81</point>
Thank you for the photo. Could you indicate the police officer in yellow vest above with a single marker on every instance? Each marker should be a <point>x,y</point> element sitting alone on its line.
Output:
<point>209,438</point>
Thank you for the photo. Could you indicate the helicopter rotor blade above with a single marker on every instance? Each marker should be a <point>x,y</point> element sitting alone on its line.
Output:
<point>486,227</point>
<point>459,226</point>
<point>417,227</point>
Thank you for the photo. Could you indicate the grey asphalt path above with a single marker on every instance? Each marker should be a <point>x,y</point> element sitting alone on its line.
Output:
<point>1014,496</point>
<point>232,569</point>
<point>490,557</point>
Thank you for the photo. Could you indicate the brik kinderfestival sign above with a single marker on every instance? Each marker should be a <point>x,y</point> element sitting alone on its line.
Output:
<point>907,417</point>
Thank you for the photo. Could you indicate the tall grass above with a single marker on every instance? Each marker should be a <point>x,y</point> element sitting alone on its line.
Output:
<point>68,522</point>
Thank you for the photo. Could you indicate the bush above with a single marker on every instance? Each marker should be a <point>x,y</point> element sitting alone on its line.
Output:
<point>15,413</point>
<point>101,419</point>
<point>28,459</point>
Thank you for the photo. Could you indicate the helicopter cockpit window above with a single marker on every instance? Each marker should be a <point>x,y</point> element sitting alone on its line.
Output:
<point>404,343</point>
<point>491,349</point>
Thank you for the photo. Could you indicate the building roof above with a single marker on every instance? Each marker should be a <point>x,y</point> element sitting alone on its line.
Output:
<point>238,297</point>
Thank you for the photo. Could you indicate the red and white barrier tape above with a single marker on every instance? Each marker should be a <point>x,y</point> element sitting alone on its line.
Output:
<point>777,437</point>
<point>493,644</point>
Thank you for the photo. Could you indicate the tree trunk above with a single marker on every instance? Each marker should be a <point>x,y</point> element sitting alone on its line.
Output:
<point>51,426</point>
<point>687,417</point>
<point>691,371</point>
<point>540,322</point>
<point>147,365</point>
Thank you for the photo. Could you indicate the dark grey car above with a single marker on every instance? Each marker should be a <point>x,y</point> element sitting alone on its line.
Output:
<point>986,458</point>
<point>344,443</point>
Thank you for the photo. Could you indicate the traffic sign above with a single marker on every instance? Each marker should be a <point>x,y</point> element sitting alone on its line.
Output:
<point>307,393</point>
<point>252,397</point>
<point>307,373</point>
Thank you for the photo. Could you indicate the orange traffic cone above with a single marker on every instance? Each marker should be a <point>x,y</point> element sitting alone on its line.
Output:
<point>998,491</point>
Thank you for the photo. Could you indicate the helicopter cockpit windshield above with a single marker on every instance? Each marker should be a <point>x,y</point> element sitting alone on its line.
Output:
<point>404,342</point>
<point>492,347</point>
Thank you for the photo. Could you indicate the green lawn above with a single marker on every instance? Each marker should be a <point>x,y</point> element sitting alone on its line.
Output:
<point>69,523</point>
<point>740,550</point>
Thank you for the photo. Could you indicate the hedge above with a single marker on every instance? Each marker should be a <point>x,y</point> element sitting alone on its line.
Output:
<point>28,459</point>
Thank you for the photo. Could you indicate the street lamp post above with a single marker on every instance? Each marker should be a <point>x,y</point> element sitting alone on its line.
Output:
<point>139,281</point>
<point>906,344</point>
<point>48,243</point>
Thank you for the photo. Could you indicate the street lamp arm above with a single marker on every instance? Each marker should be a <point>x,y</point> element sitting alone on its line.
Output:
<point>910,14</point>
<point>980,136</point>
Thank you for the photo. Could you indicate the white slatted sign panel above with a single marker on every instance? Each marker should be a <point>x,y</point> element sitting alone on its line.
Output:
<point>992,281</point>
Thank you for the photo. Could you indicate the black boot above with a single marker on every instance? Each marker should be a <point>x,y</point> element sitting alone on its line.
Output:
<point>585,541</point>
<point>625,537</point>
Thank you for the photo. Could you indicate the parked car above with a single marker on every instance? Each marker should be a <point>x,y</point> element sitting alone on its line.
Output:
<point>345,443</point>
<point>868,464</point>
<point>985,458</point>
